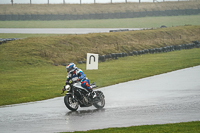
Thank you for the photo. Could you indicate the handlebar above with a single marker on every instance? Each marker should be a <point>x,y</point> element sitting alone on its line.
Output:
<point>72,82</point>
<point>63,90</point>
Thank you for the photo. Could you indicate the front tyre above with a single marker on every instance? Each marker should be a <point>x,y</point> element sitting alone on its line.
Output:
<point>100,100</point>
<point>70,103</point>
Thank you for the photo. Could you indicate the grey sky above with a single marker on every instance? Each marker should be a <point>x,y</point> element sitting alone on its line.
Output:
<point>70,1</point>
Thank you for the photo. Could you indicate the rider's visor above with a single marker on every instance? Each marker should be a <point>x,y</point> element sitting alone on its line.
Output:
<point>69,69</point>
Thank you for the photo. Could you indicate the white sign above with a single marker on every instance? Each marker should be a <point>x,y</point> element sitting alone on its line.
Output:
<point>92,61</point>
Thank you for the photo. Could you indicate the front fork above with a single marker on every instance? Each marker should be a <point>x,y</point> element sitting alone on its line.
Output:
<point>72,94</point>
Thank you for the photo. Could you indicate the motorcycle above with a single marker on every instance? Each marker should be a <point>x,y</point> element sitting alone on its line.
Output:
<point>78,96</point>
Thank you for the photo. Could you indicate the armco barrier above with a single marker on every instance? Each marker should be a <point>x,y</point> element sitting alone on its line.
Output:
<point>127,14</point>
<point>5,40</point>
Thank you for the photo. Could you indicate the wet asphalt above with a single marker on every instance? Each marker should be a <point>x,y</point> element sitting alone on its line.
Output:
<point>167,98</point>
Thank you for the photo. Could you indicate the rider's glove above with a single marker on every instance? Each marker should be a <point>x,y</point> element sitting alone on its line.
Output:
<point>63,89</point>
<point>78,79</point>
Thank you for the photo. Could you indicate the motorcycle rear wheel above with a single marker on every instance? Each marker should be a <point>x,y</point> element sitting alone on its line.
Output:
<point>70,104</point>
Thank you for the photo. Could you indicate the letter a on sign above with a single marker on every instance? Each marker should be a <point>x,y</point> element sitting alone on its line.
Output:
<point>92,61</point>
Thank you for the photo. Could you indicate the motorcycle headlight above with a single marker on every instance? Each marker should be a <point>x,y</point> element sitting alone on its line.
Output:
<point>67,87</point>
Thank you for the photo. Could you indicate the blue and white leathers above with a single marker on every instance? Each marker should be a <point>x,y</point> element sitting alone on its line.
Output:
<point>78,74</point>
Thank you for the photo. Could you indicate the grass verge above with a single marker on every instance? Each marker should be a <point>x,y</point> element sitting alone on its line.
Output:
<point>145,22</point>
<point>184,127</point>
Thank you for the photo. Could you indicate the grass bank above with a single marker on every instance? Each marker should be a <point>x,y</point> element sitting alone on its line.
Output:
<point>20,9</point>
<point>145,22</point>
<point>185,127</point>
<point>27,73</point>
<point>59,49</point>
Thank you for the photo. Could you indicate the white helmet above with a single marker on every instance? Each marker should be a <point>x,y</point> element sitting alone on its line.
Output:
<point>71,67</point>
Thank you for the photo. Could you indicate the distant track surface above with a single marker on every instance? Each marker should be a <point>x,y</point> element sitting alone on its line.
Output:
<point>166,98</point>
<point>61,30</point>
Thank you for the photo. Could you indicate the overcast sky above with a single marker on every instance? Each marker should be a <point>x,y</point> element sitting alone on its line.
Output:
<point>70,1</point>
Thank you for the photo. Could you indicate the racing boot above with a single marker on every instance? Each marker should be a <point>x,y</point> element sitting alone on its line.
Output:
<point>92,93</point>
<point>93,85</point>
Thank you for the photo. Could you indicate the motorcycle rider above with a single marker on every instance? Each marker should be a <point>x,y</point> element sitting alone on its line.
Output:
<point>73,72</point>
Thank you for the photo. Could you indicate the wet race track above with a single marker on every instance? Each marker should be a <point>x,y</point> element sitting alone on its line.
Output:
<point>166,98</point>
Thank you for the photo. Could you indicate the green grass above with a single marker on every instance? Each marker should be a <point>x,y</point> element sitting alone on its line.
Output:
<point>145,22</point>
<point>95,8</point>
<point>27,84</point>
<point>17,35</point>
<point>184,127</point>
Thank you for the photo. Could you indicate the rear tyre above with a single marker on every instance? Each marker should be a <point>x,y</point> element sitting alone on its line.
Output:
<point>70,103</point>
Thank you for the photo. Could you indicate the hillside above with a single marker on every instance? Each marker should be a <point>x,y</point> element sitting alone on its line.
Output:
<point>63,49</point>
<point>96,11</point>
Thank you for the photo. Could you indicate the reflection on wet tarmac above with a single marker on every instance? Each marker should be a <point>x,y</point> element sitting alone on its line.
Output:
<point>84,112</point>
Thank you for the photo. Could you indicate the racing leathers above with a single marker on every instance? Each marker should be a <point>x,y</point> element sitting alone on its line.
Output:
<point>78,75</point>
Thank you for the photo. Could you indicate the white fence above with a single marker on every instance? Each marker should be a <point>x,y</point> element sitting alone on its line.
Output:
<point>78,1</point>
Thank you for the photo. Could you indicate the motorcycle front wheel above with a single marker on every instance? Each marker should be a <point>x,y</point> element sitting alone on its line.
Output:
<point>70,103</point>
<point>100,101</point>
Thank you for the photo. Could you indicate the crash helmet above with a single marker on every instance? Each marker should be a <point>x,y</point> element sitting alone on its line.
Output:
<point>71,67</point>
